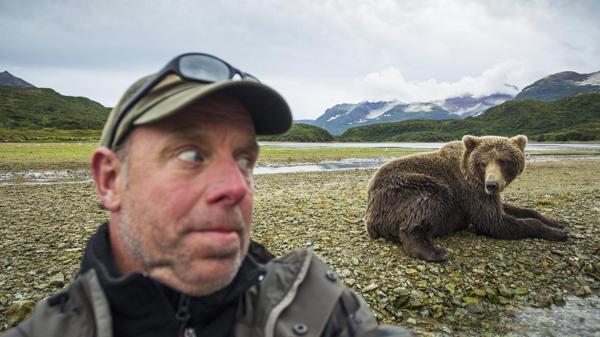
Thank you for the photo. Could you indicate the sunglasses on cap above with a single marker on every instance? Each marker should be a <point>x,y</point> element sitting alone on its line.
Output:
<point>195,67</point>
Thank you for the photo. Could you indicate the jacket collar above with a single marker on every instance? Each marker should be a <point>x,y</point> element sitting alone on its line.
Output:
<point>142,305</point>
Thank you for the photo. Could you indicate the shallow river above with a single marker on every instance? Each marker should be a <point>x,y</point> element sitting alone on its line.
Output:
<point>578,317</point>
<point>79,176</point>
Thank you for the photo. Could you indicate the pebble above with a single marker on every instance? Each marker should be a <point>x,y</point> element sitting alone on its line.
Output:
<point>370,287</point>
<point>18,311</point>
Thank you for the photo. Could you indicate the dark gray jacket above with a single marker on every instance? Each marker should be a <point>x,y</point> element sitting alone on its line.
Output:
<point>298,296</point>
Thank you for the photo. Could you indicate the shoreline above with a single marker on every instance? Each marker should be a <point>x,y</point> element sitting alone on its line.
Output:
<point>481,288</point>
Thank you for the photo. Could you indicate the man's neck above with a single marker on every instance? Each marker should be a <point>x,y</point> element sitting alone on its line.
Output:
<point>121,256</point>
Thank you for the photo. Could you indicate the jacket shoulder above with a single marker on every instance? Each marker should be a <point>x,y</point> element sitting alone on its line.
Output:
<point>301,295</point>
<point>81,309</point>
<point>314,301</point>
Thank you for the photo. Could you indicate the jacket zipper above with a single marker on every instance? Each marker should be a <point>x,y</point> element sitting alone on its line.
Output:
<point>183,316</point>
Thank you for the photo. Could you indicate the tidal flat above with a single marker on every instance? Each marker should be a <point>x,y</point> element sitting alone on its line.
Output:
<point>480,291</point>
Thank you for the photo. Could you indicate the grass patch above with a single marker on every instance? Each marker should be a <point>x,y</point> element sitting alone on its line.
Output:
<point>76,155</point>
<point>32,156</point>
<point>566,153</point>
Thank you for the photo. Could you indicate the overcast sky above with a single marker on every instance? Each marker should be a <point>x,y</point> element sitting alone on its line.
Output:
<point>316,53</point>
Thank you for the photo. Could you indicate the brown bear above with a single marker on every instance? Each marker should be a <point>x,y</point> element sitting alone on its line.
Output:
<point>416,198</point>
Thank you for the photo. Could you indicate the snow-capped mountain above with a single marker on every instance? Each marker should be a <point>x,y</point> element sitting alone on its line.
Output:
<point>559,85</point>
<point>468,105</point>
<point>340,117</point>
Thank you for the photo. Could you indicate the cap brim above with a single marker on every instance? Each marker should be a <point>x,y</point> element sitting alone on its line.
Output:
<point>270,112</point>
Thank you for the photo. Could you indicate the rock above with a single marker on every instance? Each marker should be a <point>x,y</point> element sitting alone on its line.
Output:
<point>450,287</point>
<point>401,291</point>
<point>411,272</point>
<point>438,310</point>
<point>345,273</point>
<point>479,292</point>
<point>456,301</point>
<point>401,301</point>
<point>583,291</point>
<point>370,287</point>
<point>503,300</point>
<point>558,299</point>
<point>57,280</point>
<point>506,292</point>
<point>415,304</point>
<point>521,291</point>
<point>493,298</point>
<point>474,306</point>
<point>350,281</point>
<point>544,300</point>
<point>418,295</point>
<point>18,311</point>
<point>470,300</point>
<point>41,286</point>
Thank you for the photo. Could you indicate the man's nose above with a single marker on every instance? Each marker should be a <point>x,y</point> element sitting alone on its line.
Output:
<point>228,183</point>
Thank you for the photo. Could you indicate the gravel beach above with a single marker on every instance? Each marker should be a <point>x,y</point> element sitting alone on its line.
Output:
<point>482,290</point>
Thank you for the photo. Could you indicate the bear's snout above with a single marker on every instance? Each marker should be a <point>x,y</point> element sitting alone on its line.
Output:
<point>494,182</point>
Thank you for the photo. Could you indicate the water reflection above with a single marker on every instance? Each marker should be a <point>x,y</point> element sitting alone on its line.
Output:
<point>344,164</point>
<point>578,317</point>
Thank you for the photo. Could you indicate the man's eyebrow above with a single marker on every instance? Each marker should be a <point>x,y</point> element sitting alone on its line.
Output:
<point>250,147</point>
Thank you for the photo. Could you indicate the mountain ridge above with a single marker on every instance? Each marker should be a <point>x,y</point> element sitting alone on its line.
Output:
<point>9,79</point>
<point>343,116</point>
<point>560,85</point>
<point>575,117</point>
<point>39,108</point>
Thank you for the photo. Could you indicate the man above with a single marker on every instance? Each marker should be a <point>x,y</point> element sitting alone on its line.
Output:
<point>174,170</point>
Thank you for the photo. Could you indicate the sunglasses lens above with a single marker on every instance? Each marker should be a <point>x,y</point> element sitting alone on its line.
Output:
<point>203,68</point>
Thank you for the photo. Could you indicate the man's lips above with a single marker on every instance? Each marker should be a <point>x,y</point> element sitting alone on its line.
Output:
<point>220,235</point>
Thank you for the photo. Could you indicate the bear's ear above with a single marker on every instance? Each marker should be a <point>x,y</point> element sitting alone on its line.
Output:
<point>521,141</point>
<point>470,142</point>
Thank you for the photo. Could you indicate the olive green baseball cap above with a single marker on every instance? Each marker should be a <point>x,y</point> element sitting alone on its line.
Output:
<point>270,113</point>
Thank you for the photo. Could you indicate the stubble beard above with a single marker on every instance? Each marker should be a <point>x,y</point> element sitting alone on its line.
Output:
<point>134,246</point>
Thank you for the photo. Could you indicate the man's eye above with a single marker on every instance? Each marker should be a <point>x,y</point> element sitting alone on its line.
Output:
<point>190,155</point>
<point>245,163</point>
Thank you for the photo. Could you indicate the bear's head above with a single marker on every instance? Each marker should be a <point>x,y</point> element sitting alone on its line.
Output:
<point>493,162</point>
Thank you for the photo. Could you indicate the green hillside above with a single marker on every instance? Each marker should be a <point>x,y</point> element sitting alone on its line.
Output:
<point>38,108</point>
<point>301,133</point>
<point>560,85</point>
<point>572,118</point>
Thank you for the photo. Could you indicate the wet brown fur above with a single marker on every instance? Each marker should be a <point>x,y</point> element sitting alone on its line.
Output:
<point>419,197</point>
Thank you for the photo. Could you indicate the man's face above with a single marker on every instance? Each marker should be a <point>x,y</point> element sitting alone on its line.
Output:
<point>187,198</point>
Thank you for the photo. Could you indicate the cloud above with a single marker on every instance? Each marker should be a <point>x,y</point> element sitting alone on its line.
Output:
<point>317,52</point>
<point>390,84</point>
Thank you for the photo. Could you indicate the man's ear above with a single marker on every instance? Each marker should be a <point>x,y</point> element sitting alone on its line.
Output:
<point>106,168</point>
<point>520,140</point>
<point>470,142</point>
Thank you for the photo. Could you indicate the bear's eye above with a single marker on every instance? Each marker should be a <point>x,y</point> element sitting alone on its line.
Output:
<point>503,162</point>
